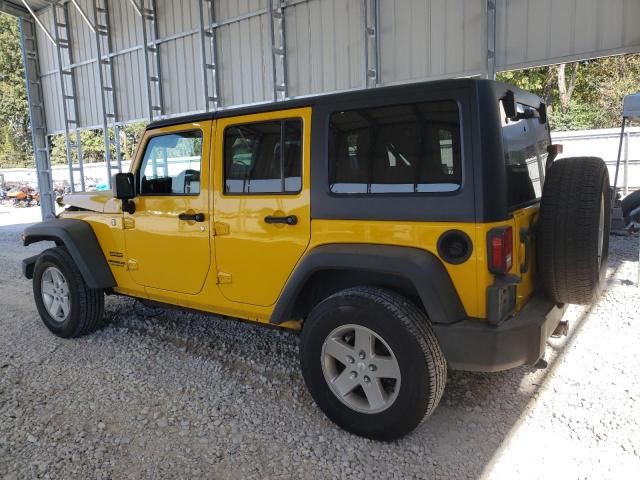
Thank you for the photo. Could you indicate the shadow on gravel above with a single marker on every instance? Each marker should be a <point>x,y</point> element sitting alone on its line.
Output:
<point>477,414</point>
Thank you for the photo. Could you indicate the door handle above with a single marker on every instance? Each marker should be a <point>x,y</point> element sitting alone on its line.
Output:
<point>192,217</point>
<point>288,220</point>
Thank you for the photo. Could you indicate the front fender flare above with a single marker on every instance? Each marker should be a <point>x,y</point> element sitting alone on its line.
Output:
<point>422,268</point>
<point>78,238</point>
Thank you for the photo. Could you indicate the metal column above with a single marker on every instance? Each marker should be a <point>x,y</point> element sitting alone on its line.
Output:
<point>68,93</point>
<point>149,15</point>
<point>35,98</point>
<point>371,42</point>
<point>105,75</point>
<point>491,38</point>
<point>209,55</point>
<point>278,50</point>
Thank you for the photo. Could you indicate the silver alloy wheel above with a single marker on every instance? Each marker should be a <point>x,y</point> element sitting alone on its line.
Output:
<point>360,368</point>
<point>55,294</point>
<point>601,232</point>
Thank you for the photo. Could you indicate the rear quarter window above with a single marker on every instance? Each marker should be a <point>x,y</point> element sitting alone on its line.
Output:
<point>401,149</point>
<point>525,143</point>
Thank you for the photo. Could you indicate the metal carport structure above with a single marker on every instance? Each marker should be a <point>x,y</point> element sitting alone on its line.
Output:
<point>104,63</point>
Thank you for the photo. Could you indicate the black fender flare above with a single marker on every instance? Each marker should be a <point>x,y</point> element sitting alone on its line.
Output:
<point>78,238</point>
<point>423,269</point>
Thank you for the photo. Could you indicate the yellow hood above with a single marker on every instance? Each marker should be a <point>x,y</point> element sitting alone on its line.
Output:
<point>102,202</point>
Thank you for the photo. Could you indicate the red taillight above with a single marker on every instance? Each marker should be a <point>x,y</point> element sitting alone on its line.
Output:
<point>500,250</point>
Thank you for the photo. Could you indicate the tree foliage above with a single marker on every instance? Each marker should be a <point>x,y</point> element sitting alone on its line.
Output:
<point>15,134</point>
<point>582,95</point>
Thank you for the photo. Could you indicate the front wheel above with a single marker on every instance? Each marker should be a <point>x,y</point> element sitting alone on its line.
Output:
<point>372,362</point>
<point>67,306</point>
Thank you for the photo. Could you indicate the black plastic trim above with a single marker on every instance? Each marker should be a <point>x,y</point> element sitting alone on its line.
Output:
<point>81,243</point>
<point>28,266</point>
<point>423,269</point>
<point>476,345</point>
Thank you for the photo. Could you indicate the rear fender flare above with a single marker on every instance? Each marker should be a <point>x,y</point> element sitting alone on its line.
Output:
<point>421,268</point>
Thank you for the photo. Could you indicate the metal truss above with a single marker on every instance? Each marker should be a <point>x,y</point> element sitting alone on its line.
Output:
<point>278,49</point>
<point>68,93</point>
<point>209,55</point>
<point>371,41</point>
<point>37,115</point>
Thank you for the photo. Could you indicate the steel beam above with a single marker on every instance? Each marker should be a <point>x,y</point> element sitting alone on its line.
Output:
<point>84,15</point>
<point>209,49</point>
<point>371,41</point>
<point>13,9</point>
<point>35,98</point>
<point>39,23</point>
<point>278,49</point>
<point>491,32</point>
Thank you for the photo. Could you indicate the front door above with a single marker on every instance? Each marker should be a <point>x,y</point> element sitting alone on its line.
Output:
<point>261,204</point>
<point>167,238</point>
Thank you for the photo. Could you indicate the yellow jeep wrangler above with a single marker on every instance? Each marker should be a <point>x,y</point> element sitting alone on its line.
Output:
<point>402,230</point>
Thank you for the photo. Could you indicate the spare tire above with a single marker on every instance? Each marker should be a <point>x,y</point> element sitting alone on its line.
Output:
<point>630,203</point>
<point>573,239</point>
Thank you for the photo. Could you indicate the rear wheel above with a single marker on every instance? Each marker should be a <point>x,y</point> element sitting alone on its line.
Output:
<point>372,362</point>
<point>67,306</point>
<point>574,230</point>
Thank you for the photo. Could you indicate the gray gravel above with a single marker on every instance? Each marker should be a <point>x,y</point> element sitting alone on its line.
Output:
<point>161,394</point>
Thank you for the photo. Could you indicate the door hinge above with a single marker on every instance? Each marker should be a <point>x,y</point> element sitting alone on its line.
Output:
<point>132,264</point>
<point>220,228</point>
<point>128,222</point>
<point>224,277</point>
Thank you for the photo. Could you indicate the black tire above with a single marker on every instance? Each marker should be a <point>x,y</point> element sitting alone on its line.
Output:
<point>86,304</point>
<point>630,202</point>
<point>576,190</point>
<point>407,332</point>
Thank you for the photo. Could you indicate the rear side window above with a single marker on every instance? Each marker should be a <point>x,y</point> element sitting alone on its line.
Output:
<point>263,157</point>
<point>413,148</point>
<point>525,143</point>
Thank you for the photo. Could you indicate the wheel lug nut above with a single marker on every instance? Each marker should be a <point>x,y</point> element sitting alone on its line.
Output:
<point>372,368</point>
<point>350,359</point>
<point>366,379</point>
<point>353,375</point>
<point>362,356</point>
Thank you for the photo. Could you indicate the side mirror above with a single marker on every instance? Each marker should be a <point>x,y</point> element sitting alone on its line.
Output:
<point>510,105</point>
<point>123,187</point>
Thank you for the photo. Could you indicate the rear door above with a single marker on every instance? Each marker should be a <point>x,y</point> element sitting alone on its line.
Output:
<point>261,204</point>
<point>525,148</point>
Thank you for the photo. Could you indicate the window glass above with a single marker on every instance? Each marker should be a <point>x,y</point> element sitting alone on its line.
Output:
<point>171,165</point>
<point>255,162</point>
<point>525,144</point>
<point>411,148</point>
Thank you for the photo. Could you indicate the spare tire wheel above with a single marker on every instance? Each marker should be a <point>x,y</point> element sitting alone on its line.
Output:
<point>574,226</point>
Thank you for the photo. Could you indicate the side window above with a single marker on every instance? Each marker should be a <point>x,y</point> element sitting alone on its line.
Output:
<point>171,165</point>
<point>412,148</point>
<point>263,157</point>
<point>525,143</point>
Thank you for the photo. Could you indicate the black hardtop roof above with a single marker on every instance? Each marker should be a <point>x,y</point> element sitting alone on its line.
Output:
<point>347,96</point>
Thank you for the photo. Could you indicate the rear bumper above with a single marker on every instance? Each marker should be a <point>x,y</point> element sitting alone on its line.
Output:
<point>476,345</point>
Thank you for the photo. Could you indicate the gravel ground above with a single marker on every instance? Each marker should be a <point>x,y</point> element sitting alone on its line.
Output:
<point>160,394</point>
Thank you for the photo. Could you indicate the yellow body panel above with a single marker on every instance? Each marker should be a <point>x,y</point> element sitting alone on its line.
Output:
<point>254,258</point>
<point>237,265</point>
<point>164,252</point>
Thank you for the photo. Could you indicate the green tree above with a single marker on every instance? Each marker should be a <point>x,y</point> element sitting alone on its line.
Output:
<point>582,95</point>
<point>15,134</point>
